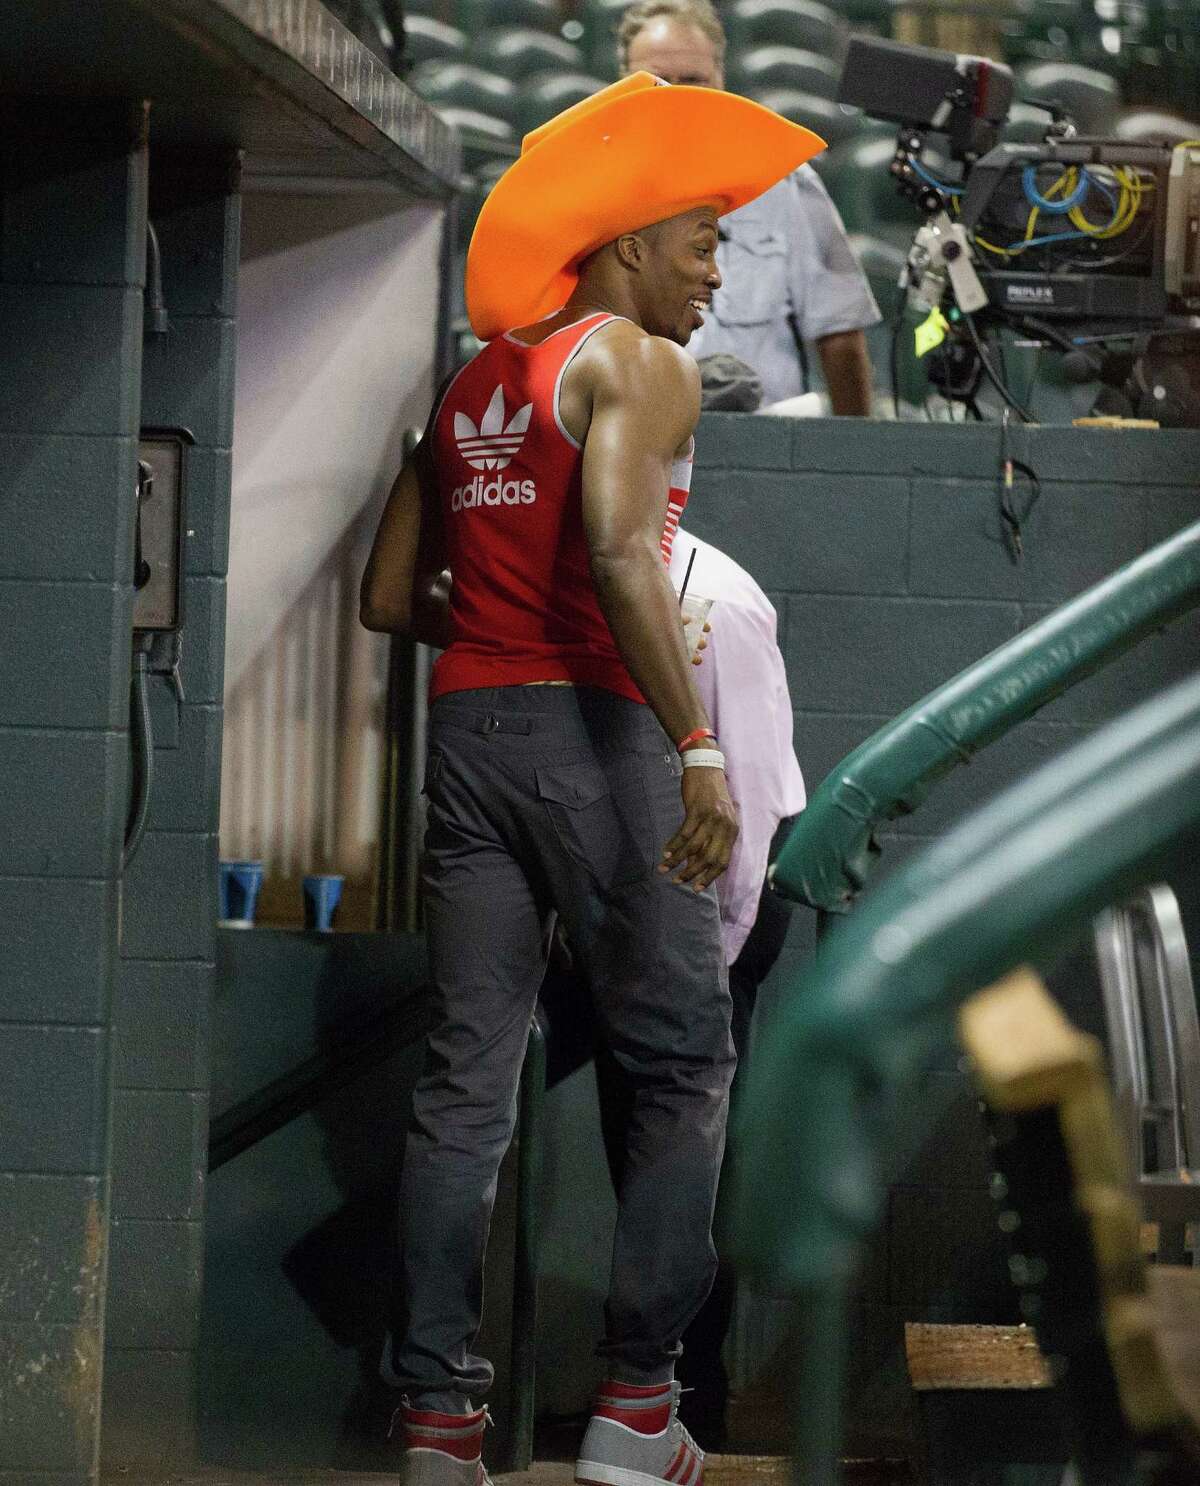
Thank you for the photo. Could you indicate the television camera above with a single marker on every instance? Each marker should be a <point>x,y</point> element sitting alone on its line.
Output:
<point>1091,246</point>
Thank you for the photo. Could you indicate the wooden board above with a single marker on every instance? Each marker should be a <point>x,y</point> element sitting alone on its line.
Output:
<point>958,1357</point>
<point>1175,1295</point>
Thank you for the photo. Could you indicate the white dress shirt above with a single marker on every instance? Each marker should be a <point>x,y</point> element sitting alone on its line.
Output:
<point>743,686</point>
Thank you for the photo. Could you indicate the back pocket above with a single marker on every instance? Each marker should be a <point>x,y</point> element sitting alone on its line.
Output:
<point>601,820</point>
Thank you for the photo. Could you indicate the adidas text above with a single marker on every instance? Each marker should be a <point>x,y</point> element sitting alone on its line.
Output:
<point>494,492</point>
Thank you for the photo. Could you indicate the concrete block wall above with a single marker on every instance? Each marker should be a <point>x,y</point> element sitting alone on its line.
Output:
<point>882,548</point>
<point>71,268</point>
<point>168,950</point>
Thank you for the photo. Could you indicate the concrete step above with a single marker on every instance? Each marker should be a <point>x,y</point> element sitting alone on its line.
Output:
<point>719,1470</point>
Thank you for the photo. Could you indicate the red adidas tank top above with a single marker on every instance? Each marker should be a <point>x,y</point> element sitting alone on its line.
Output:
<point>522,604</point>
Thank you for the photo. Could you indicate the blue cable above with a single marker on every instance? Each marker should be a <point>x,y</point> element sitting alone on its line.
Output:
<point>1050,237</point>
<point>1048,204</point>
<point>933,181</point>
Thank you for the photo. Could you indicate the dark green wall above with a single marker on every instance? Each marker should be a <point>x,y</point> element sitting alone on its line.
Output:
<point>168,936</point>
<point>72,235</point>
<point>883,550</point>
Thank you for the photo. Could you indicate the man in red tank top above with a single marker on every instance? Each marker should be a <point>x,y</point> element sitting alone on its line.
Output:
<point>572,771</point>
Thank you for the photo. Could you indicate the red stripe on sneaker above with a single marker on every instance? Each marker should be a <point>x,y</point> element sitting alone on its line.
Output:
<point>612,1389</point>
<point>464,1449</point>
<point>689,1469</point>
<point>669,1473</point>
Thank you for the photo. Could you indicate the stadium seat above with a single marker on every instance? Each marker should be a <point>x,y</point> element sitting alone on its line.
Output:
<point>477,16</point>
<point>1025,125</point>
<point>1093,99</point>
<point>867,15</point>
<point>601,19</point>
<point>517,52</point>
<point>857,177</point>
<point>429,40</point>
<point>784,67</point>
<point>474,192</point>
<point>483,134</point>
<point>801,23</point>
<point>542,97</point>
<point>1146,126</point>
<point>824,117</point>
<point>461,85</point>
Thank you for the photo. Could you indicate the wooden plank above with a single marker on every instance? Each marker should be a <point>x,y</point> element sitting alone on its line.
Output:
<point>1026,1052</point>
<point>1175,1300</point>
<point>960,1357</point>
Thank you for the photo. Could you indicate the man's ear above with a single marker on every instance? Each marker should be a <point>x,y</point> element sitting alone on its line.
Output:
<point>631,251</point>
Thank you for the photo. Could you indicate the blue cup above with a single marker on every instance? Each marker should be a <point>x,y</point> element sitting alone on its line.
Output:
<point>322,894</point>
<point>240,884</point>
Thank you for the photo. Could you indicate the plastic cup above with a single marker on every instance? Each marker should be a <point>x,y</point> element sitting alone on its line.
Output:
<point>239,884</point>
<point>322,894</point>
<point>694,611</point>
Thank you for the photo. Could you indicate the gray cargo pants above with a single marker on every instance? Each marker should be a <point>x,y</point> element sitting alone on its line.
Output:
<point>545,800</point>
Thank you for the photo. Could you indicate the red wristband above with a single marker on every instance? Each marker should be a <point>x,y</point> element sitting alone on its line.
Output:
<point>695,737</point>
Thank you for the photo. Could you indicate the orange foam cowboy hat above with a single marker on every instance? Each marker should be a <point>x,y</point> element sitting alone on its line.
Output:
<point>635,153</point>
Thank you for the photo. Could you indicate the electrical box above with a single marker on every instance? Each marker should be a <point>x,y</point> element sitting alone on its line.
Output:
<point>158,545</point>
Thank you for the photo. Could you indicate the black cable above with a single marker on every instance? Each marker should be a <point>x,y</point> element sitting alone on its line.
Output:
<point>142,752</point>
<point>156,309</point>
<point>990,372</point>
<point>894,359</point>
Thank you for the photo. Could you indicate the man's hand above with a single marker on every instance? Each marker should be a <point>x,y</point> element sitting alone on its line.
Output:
<point>700,849</point>
<point>701,644</point>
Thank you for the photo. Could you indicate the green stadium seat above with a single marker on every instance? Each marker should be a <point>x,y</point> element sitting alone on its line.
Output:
<point>1147,126</point>
<point>477,16</point>
<point>1093,99</point>
<point>784,67</point>
<point>483,134</point>
<point>1026,125</point>
<point>857,177</point>
<point>461,85</point>
<point>601,19</point>
<point>801,23</point>
<point>542,97</point>
<point>474,189</point>
<point>518,52</point>
<point>824,117</point>
<point>430,40</point>
<point>867,15</point>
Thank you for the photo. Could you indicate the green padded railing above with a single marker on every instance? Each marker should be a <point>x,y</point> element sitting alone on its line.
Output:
<point>832,848</point>
<point>1006,886</point>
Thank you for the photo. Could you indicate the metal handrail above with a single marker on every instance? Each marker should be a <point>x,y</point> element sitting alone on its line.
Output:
<point>832,849</point>
<point>1011,883</point>
<point>1154,1054</point>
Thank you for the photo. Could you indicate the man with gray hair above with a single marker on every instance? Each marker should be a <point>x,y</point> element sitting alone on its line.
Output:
<point>789,275</point>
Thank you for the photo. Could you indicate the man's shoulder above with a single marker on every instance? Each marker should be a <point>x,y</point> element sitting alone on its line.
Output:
<point>623,356</point>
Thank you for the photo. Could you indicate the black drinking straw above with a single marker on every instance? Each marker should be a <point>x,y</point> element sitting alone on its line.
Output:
<point>686,576</point>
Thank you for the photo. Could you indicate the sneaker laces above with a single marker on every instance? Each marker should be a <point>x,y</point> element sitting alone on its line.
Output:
<point>677,1392</point>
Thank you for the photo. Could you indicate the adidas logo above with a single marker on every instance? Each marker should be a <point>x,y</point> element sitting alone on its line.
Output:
<point>492,446</point>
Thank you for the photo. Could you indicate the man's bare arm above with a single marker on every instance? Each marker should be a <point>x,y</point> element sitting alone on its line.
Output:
<point>405,587</point>
<point>645,401</point>
<point>846,363</point>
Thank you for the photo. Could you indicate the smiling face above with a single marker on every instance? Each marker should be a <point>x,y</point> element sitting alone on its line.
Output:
<point>677,272</point>
<point>677,52</point>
